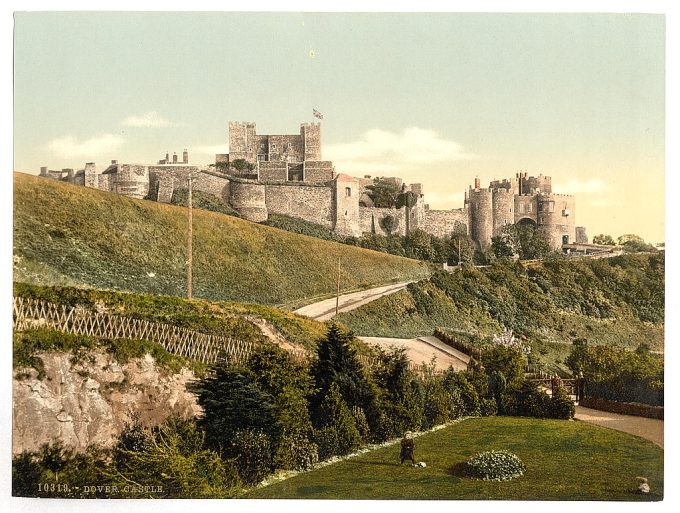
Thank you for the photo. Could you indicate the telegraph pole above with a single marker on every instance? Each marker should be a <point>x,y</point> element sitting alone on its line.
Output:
<point>190,241</point>
<point>337,292</point>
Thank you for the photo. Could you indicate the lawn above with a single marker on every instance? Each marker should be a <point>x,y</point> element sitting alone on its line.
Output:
<point>565,460</point>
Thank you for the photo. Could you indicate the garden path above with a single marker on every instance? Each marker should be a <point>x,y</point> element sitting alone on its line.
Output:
<point>651,429</point>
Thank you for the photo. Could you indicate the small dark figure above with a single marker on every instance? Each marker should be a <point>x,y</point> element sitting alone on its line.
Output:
<point>407,447</point>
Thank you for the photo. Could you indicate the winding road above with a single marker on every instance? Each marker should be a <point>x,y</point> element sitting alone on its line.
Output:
<point>324,310</point>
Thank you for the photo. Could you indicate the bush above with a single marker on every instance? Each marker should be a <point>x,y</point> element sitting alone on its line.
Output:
<point>561,406</point>
<point>253,455</point>
<point>296,452</point>
<point>339,434</point>
<point>526,400</point>
<point>488,407</point>
<point>495,466</point>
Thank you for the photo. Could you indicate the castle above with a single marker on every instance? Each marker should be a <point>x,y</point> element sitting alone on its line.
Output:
<point>285,174</point>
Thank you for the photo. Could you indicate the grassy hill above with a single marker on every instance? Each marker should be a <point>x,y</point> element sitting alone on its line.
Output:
<point>564,461</point>
<point>618,300</point>
<point>75,236</point>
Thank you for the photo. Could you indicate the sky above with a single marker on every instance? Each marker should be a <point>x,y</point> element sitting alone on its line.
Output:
<point>433,98</point>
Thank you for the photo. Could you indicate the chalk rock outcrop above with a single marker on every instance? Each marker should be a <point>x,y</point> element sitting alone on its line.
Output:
<point>87,401</point>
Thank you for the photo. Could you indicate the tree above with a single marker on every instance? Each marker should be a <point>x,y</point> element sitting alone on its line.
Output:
<point>634,243</point>
<point>232,401</point>
<point>604,239</point>
<point>418,244</point>
<point>389,223</point>
<point>383,193</point>
<point>337,364</point>
<point>462,245</point>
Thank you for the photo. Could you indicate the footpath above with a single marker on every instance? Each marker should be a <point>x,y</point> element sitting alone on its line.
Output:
<point>650,429</point>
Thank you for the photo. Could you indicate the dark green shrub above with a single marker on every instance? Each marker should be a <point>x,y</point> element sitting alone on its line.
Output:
<point>361,423</point>
<point>253,453</point>
<point>296,451</point>
<point>488,407</point>
<point>339,434</point>
<point>561,406</point>
<point>232,401</point>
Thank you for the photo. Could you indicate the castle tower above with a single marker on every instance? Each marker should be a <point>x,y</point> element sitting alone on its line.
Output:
<point>174,157</point>
<point>480,203</point>
<point>249,200</point>
<point>311,140</point>
<point>346,201</point>
<point>556,218</point>
<point>503,202</point>
<point>185,156</point>
<point>90,175</point>
<point>242,141</point>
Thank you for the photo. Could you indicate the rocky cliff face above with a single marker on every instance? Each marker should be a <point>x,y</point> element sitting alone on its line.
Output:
<point>86,402</point>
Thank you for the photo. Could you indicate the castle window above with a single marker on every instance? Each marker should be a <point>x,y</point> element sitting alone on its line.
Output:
<point>289,146</point>
<point>274,147</point>
<point>521,208</point>
<point>262,146</point>
<point>530,208</point>
<point>348,191</point>
<point>551,206</point>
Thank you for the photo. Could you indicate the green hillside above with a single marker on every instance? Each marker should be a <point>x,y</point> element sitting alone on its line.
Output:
<point>610,301</point>
<point>75,236</point>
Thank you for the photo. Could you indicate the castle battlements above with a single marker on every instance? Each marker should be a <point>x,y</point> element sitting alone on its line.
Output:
<point>285,174</point>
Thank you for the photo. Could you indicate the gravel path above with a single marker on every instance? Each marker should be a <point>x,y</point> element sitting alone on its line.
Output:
<point>324,310</point>
<point>651,429</point>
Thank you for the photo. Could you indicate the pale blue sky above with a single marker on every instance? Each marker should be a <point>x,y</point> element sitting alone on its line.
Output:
<point>435,98</point>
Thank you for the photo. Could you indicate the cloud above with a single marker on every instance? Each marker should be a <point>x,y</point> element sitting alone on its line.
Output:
<point>590,186</point>
<point>151,119</point>
<point>210,149</point>
<point>71,147</point>
<point>383,151</point>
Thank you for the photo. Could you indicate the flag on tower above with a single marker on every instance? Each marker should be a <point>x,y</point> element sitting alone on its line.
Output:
<point>317,114</point>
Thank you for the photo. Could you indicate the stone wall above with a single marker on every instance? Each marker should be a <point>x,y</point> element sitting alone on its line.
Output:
<point>248,198</point>
<point>89,402</point>
<point>440,223</point>
<point>318,171</point>
<point>132,180</point>
<point>309,202</point>
<point>210,183</point>
<point>370,220</point>
<point>273,171</point>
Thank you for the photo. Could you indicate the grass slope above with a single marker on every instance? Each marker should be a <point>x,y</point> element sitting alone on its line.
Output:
<point>565,461</point>
<point>618,301</point>
<point>70,235</point>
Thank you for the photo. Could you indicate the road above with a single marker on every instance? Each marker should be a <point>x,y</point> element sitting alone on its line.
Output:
<point>651,429</point>
<point>423,349</point>
<point>324,310</point>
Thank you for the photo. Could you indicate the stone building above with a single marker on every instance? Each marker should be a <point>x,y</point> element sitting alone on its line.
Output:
<point>520,200</point>
<point>285,174</point>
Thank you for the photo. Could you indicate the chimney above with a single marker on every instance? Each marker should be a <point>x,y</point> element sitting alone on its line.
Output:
<point>477,183</point>
<point>174,158</point>
<point>43,171</point>
<point>167,158</point>
<point>185,157</point>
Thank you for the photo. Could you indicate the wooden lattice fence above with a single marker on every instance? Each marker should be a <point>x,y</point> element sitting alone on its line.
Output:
<point>204,347</point>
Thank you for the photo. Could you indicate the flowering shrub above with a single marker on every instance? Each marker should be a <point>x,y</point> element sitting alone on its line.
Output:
<point>495,466</point>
